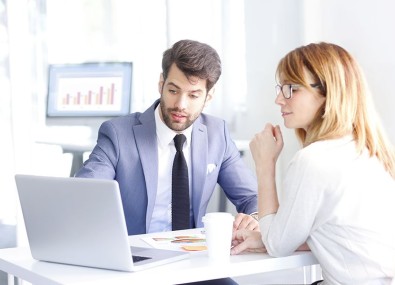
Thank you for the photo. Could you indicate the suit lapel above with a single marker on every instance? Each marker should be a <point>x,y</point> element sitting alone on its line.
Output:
<point>147,145</point>
<point>199,164</point>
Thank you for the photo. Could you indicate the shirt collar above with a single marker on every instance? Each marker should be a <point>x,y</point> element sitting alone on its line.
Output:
<point>165,135</point>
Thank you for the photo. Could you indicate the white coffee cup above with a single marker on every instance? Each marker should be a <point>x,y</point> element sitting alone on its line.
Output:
<point>218,228</point>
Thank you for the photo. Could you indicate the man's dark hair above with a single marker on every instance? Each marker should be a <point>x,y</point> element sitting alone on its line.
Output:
<point>193,59</point>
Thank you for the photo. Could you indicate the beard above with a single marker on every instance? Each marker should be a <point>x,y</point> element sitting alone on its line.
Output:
<point>174,124</point>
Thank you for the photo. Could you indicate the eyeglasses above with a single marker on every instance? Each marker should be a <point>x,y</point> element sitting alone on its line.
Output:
<point>288,89</point>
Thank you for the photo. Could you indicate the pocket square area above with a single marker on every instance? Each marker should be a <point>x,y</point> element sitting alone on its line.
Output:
<point>211,167</point>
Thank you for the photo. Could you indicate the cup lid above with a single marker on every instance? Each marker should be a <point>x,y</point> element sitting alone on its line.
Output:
<point>218,215</point>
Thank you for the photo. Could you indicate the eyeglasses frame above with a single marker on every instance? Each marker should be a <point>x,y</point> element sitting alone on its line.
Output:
<point>280,87</point>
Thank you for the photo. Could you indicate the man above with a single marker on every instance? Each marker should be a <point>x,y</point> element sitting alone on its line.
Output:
<point>137,150</point>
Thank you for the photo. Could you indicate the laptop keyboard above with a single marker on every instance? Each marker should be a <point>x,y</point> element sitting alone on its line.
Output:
<point>137,258</point>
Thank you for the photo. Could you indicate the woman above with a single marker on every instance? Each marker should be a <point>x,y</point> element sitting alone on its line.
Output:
<point>338,195</point>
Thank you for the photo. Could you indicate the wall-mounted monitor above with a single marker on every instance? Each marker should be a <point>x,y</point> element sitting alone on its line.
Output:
<point>86,94</point>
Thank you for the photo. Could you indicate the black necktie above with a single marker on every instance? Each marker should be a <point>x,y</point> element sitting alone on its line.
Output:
<point>180,188</point>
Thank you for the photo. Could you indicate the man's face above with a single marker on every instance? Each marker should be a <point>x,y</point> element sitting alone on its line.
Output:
<point>182,99</point>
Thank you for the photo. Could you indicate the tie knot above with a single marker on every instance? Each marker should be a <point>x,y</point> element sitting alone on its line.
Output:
<point>179,141</point>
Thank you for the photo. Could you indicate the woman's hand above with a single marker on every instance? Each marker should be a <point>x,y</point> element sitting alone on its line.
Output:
<point>267,145</point>
<point>247,240</point>
<point>244,221</point>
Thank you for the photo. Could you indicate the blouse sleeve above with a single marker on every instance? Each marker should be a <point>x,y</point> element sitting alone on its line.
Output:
<point>301,198</point>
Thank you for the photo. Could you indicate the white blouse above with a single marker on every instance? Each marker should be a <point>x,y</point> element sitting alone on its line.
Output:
<point>343,205</point>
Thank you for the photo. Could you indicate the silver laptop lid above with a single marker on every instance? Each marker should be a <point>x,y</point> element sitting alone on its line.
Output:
<point>80,221</point>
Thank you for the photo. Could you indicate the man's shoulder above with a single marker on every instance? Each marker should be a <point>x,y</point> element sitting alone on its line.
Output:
<point>136,118</point>
<point>133,118</point>
<point>211,120</point>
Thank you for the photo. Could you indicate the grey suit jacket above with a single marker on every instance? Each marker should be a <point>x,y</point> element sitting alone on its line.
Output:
<point>127,151</point>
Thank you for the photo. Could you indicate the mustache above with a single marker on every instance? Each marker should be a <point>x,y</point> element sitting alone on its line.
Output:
<point>177,110</point>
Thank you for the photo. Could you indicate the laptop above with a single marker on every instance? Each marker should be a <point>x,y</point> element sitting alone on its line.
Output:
<point>80,221</point>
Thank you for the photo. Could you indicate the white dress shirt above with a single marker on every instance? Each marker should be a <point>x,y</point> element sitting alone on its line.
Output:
<point>343,205</point>
<point>161,216</point>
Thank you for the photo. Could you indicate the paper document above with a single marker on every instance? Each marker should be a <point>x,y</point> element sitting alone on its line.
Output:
<point>174,241</point>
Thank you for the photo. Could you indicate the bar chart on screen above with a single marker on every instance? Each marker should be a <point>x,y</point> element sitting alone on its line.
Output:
<point>89,93</point>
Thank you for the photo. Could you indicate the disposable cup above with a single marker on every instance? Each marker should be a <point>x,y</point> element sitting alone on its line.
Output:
<point>218,229</point>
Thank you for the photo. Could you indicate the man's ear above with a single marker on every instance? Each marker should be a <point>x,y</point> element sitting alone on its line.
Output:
<point>160,83</point>
<point>209,96</point>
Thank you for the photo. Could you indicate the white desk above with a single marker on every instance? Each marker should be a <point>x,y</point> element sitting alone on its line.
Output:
<point>19,263</point>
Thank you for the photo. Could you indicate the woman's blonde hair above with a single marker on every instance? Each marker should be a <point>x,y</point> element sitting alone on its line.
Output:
<point>348,108</point>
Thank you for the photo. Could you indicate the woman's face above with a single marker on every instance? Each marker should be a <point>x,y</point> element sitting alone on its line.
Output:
<point>300,110</point>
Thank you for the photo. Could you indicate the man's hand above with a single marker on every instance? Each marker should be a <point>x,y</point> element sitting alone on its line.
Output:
<point>247,240</point>
<point>243,221</point>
